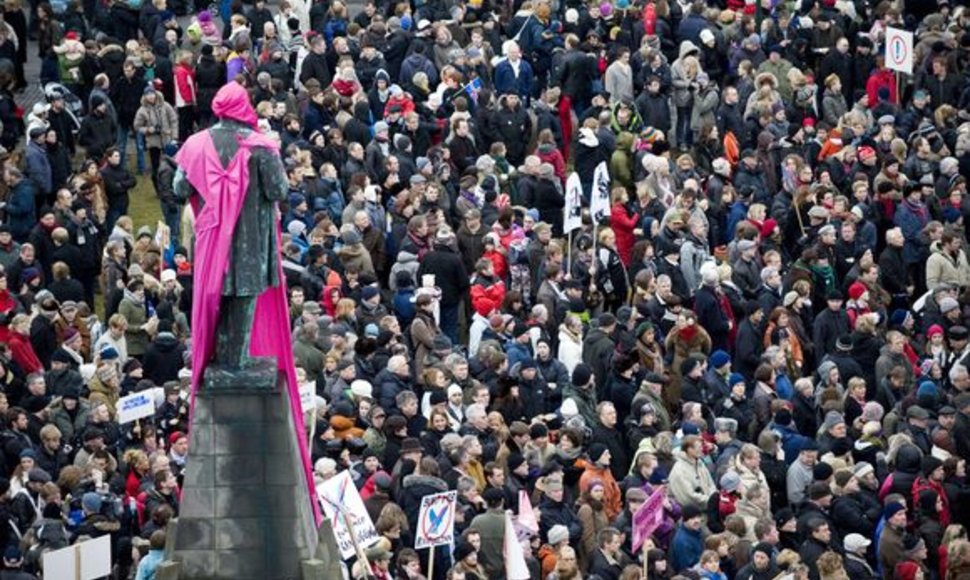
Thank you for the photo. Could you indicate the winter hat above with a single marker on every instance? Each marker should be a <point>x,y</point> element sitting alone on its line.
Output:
<point>558,533</point>
<point>856,290</point>
<point>596,451</point>
<point>730,481</point>
<point>929,464</point>
<point>582,375</point>
<point>948,304</point>
<point>91,502</point>
<point>690,511</point>
<point>832,418</point>
<point>725,424</point>
<point>736,378</point>
<point>783,417</point>
<point>822,471</point>
<point>892,509</point>
<point>719,358</point>
<point>465,549</point>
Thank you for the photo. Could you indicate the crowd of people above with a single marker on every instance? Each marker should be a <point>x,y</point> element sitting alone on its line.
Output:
<point>766,330</point>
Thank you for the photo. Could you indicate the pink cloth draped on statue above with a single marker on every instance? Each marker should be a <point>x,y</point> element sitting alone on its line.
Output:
<point>224,191</point>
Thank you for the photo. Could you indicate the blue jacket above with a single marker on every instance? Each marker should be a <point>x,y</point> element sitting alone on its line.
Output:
<point>517,352</point>
<point>39,167</point>
<point>21,210</point>
<point>791,441</point>
<point>912,221</point>
<point>149,564</point>
<point>685,548</point>
<point>506,81</point>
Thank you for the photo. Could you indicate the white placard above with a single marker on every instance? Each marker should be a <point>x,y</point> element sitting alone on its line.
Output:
<point>308,396</point>
<point>341,502</point>
<point>899,50</point>
<point>599,204</point>
<point>573,209</point>
<point>436,520</point>
<point>94,555</point>
<point>135,406</point>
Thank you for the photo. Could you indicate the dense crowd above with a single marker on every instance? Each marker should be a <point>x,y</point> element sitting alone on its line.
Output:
<point>768,325</point>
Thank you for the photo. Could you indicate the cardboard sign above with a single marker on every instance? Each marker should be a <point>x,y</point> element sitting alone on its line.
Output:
<point>648,518</point>
<point>347,514</point>
<point>135,406</point>
<point>899,50</point>
<point>85,561</point>
<point>436,520</point>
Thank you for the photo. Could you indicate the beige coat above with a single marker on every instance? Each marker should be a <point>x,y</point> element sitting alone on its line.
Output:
<point>159,123</point>
<point>942,268</point>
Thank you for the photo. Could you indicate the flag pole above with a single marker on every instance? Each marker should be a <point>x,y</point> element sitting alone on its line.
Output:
<point>569,254</point>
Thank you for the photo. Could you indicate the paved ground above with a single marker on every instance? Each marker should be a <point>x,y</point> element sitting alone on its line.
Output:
<point>34,92</point>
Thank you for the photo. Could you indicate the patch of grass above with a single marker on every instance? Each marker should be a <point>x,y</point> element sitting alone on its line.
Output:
<point>143,206</point>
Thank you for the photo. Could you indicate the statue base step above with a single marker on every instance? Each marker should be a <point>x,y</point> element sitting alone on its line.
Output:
<point>245,511</point>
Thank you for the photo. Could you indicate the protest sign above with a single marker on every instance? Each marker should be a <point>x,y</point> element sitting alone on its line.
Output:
<point>83,561</point>
<point>648,518</point>
<point>436,520</point>
<point>342,504</point>
<point>135,406</point>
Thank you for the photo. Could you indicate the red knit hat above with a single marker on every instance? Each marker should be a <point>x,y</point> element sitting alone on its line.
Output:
<point>174,437</point>
<point>856,290</point>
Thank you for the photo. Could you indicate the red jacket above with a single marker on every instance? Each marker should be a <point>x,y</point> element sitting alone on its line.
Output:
<point>877,80</point>
<point>485,299</point>
<point>623,225</point>
<point>21,350</point>
<point>184,85</point>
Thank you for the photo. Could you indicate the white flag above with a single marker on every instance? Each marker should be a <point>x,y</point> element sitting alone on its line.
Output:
<point>573,212</point>
<point>599,204</point>
<point>515,566</point>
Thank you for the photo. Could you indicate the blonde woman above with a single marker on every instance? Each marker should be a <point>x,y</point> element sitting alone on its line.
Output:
<point>683,75</point>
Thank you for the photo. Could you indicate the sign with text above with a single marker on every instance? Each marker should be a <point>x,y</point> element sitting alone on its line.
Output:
<point>899,50</point>
<point>135,406</point>
<point>648,518</point>
<point>436,520</point>
<point>347,514</point>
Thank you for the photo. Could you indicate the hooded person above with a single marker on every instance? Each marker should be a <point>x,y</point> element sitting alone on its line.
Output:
<point>229,293</point>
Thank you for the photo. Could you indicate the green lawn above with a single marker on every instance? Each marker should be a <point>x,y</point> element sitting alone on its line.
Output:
<point>143,205</point>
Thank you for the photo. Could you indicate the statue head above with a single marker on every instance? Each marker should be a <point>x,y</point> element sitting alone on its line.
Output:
<point>232,102</point>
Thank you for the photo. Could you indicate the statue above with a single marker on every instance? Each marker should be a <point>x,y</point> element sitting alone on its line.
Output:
<point>234,177</point>
<point>248,163</point>
<point>248,512</point>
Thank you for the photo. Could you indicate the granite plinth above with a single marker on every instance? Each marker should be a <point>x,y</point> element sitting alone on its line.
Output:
<point>245,512</point>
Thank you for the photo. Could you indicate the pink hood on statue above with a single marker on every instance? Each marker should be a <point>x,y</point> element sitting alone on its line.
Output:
<point>232,102</point>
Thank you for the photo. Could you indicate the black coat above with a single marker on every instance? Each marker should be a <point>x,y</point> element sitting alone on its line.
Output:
<point>449,272</point>
<point>559,514</point>
<point>829,326</point>
<point>315,66</point>
<point>163,359</point>
<point>615,442</point>
<point>513,127</point>
<point>711,316</point>
<point>210,75</point>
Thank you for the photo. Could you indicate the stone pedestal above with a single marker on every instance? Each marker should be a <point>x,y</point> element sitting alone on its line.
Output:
<point>245,511</point>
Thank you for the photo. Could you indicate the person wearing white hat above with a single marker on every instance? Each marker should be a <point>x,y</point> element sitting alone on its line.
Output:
<point>855,561</point>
